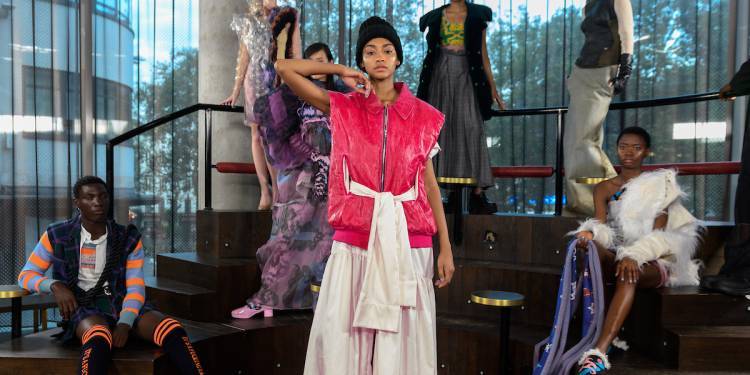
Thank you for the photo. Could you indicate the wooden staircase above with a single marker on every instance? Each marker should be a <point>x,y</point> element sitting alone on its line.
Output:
<point>220,275</point>
<point>681,329</point>
<point>691,330</point>
<point>669,330</point>
<point>206,285</point>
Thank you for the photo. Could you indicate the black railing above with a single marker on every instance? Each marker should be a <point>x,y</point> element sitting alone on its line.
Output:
<point>208,125</point>
<point>560,111</point>
<point>130,134</point>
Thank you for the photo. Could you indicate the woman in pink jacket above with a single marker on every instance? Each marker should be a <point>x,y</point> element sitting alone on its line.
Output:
<point>376,310</point>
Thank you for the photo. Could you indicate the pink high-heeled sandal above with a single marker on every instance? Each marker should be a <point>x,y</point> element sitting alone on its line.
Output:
<point>249,311</point>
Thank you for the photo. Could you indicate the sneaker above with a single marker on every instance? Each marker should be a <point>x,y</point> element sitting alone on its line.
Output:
<point>593,362</point>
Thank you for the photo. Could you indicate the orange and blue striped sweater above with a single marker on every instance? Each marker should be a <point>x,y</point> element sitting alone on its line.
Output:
<point>64,238</point>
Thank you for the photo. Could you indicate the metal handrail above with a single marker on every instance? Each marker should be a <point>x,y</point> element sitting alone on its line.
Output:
<point>166,119</point>
<point>558,111</point>
<point>633,104</point>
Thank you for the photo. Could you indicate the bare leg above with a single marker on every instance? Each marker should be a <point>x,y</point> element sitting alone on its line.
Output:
<point>147,324</point>
<point>621,303</point>
<point>261,168</point>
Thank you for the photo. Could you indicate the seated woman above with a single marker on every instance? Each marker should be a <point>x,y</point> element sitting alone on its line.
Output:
<point>97,282</point>
<point>645,238</point>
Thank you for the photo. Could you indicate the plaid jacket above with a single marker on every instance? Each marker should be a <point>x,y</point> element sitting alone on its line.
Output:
<point>60,247</point>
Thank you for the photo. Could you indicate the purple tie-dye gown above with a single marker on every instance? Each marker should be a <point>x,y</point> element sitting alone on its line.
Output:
<point>299,144</point>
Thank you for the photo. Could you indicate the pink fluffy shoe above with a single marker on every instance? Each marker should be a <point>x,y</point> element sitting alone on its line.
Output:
<point>249,311</point>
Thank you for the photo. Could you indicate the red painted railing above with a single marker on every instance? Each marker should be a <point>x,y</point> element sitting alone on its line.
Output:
<point>544,171</point>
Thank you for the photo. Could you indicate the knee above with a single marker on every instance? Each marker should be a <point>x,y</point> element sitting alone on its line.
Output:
<point>97,332</point>
<point>168,326</point>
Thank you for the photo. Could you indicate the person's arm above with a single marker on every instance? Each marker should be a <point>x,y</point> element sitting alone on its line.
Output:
<point>242,60</point>
<point>445,265</point>
<point>600,202</point>
<point>658,243</point>
<point>32,276</point>
<point>297,42</point>
<point>596,229</point>
<point>661,221</point>
<point>624,12</point>
<point>135,296</point>
<point>488,72</point>
<point>294,72</point>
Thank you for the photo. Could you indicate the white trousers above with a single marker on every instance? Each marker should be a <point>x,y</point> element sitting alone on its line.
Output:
<point>590,96</point>
<point>337,348</point>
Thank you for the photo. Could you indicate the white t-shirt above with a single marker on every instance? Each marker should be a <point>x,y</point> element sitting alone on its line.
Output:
<point>92,259</point>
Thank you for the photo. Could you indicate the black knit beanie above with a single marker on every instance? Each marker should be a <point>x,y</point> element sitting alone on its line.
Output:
<point>376,27</point>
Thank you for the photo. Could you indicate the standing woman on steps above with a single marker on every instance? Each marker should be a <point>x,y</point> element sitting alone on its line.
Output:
<point>457,79</point>
<point>261,31</point>
<point>376,308</point>
<point>299,145</point>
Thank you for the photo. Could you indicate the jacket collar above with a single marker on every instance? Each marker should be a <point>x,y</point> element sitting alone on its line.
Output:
<point>404,104</point>
<point>72,234</point>
<point>433,17</point>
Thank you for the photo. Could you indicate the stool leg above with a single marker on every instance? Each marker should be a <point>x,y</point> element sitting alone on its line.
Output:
<point>504,341</point>
<point>44,319</point>
<point>36,319</point>
<point>458,215</point>
<point>15,318</point>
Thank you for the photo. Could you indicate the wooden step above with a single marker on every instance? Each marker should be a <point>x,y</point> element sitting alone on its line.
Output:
<point>182,300</point>
<point>519,239</point>
<point>39,353</point>
<point>654,310</point>
<point>241,276</point>
<point>472,345</point>
<point>232,233</point>
<point>542,239</point>
<point>275,345</point>
<point>704,348</point>
<point>537,283</point>
<point>693,306</point>
<point>220,347</point>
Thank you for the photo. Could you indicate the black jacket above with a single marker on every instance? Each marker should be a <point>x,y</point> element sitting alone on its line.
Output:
<point>477,17</point>
<point>741,81</point>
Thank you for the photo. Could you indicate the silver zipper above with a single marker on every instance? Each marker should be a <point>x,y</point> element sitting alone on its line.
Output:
<point>385,139</point>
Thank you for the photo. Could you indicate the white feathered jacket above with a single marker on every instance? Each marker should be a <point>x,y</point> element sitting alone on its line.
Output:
<point>630,231</point>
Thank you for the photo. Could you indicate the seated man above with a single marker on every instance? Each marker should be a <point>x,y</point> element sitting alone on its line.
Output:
<point>98,284</point>
<point>644,237</point>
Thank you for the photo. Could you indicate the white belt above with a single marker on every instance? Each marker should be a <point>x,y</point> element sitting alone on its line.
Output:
<point>390,282</point>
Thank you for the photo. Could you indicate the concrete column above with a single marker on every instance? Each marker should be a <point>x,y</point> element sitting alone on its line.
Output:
<point>217,57</point>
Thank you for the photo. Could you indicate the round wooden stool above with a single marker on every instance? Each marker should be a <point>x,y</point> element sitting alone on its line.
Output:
<point>14,292</point>
<point>457,185</point>
<point>505,301</point>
